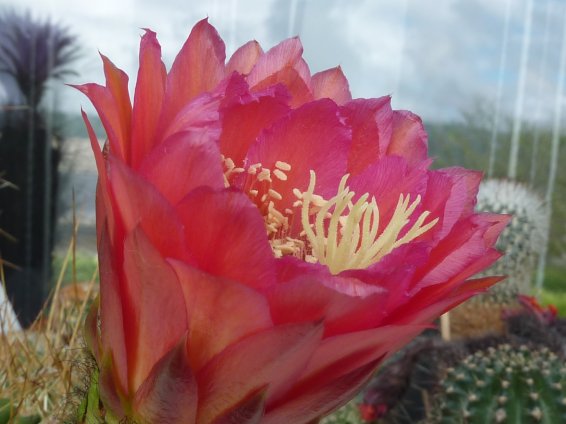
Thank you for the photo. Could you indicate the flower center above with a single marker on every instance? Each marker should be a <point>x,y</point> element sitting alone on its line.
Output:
<point>337,232</point>
<point>344,235</point>
<point>257,182</point>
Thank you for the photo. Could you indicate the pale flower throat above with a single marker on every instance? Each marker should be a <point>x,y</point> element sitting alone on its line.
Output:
<point>350,240</point>
<point>337,232</point>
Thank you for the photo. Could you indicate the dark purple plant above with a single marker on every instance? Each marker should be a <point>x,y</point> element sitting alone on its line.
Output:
<point>33,51</point>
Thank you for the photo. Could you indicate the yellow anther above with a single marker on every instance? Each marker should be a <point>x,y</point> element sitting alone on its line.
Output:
<point>283,166</point>
<point>344,234</point>
<point>280,174</point>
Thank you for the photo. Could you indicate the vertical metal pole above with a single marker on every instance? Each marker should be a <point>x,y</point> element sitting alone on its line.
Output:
<point>518,116</point>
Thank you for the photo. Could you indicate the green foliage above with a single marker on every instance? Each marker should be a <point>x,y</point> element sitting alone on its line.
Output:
<point>504,384</point>
<point>555,279</point>
<point>85,267</point>
<point>556,298</point>
<point>348,414</point>
<point>9,414</point>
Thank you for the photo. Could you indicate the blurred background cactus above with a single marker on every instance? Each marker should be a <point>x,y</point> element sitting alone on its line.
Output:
<point>521,241</point>
<point>33,53</point>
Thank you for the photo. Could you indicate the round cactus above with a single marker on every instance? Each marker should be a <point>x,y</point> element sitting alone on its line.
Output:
<point>503,384</point>
<point>520,242</point>
<point>523,238</point>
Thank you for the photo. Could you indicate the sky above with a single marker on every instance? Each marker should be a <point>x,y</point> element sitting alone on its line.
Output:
<point>438,58</point>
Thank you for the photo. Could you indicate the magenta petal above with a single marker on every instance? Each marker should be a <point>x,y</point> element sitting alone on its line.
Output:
<point>409,138</point>
<point>182,163</point>
<point>371,124</point>
<point>243,121</point>
<point>225,235</point>
<point>310,138</point>
<point>272,358</point>
<point>169,395</point>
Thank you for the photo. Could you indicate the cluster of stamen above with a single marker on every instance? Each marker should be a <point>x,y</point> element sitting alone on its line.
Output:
<point>340,233</point>
<point>344,234</point>
<point>258,184</point>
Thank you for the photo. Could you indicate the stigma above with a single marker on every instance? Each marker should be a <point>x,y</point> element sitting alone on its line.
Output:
<point>343,234</point>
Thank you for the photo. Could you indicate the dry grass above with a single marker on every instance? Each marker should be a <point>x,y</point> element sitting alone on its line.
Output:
<point>41,366</point>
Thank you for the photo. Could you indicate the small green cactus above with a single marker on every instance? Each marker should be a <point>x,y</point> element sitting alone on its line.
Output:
<point>503,384</point>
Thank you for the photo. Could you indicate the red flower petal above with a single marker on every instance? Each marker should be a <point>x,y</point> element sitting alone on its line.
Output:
<point>226,236</point>
<point>117,84</point>
<point>285,54</point>
<point>370,121</point>
<point>137,202</point>
<point>342,354</point>
<point>242,122</point>
<point>293,82</point>
<point>109,113</point>
<point>154,290</point>
<point>310,138</point>
<point>221,307</point>
<point>248,411</point>
<point>244,59</point>
<point>331,84</point>
<point>306,299</point>
<point>309,403</point>
<point>150,87</point>
<point>279,354</point>
<point>182,163</point>
<point>114,336</point>
<point>169,395</point>
<point>461,254</point>
<point>409,138</point>
<point>198,68</point>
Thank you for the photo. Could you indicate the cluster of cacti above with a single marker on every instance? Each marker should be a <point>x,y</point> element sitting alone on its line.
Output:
<point>503,384</point>
<point>433,374</point>
<point>523,238</point>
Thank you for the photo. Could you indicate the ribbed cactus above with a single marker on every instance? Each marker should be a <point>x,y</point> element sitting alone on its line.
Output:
<point>504,384</point>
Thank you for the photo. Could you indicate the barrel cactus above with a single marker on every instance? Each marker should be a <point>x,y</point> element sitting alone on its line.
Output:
<point>523,238</point>
<point>427,375</point>
<point>504,384</point>
<point>521,241</point>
